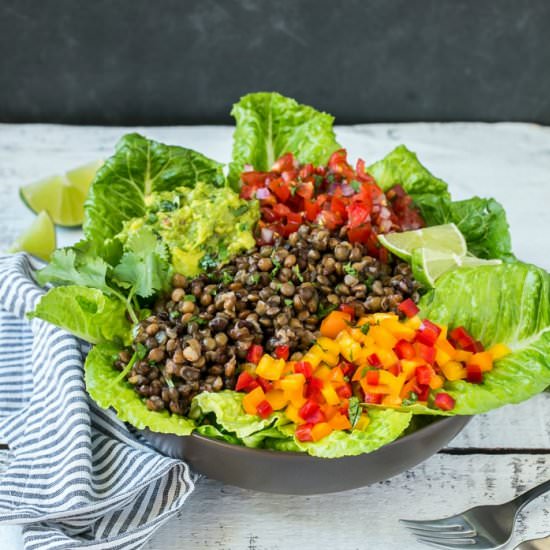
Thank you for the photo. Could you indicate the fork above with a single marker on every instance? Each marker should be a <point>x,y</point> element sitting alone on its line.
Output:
<point>479,528</point>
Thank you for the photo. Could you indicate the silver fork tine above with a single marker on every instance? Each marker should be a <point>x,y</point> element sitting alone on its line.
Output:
<point>454,523</point>
<point>449,543</point>
<point>443,533</point>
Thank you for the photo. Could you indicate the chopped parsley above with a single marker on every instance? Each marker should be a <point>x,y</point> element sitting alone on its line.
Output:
<point>354,411</point>
<point>207,262</point>
<point>350,270</point>
<point>355,185</point>
<point>198,320</point>
<point>227,278</point>
<point>240,210</point>
<point>289,302</point>
<point>190,298</point>
<point>411,400</point>
<point>365,328</point>
<point>175,314</point>
<point>277,264</point>
<point>323,310</point>
<point>298,273</point>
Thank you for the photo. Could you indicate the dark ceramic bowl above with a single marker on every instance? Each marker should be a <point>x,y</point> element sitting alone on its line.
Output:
<point>301,474</point>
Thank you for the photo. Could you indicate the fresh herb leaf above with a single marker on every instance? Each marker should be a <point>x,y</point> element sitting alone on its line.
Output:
<point>289,302</point>
<point>227,278</point>
<point>354,411</point>
<point>413,398</point>
<point>190,298</point>
<point>240,210</point>
<point>198,320</point>
<point>324,310</point>
<point>175,314</point>
<point>350,270</point>
<point>365,327</point>
<point>298,273</point>
<point>207,262</point>
<point>166,206</point>
<point>355,185</point>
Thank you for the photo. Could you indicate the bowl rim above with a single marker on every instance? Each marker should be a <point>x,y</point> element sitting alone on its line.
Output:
<point>291,455</point>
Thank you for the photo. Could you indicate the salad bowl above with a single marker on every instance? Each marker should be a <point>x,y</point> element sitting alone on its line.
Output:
<point>299,473</point>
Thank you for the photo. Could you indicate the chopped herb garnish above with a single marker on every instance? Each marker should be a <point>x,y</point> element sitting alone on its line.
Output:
<point>350,270</point>
<point>298,273</point>
<point>240,210</point>
<point>207,262</point>
<point>190,298</point>
<point>255,278</point>
<point>167,206</point>
<point>151,217</point>
<point>355,185</point>
<point>277,264</point>
<point>363,372</point>
<point>169,382</point>
<point>141,351</point>
<point>365,328</point>
<point>289,302</point>
<point>411,400</point>
<point>198,320</point>
<point>354,411</point>
<point>244,226</point>
<point>227,278</point>
<point>323,311</point>
<point>293,190</point>
<point>175,314</point>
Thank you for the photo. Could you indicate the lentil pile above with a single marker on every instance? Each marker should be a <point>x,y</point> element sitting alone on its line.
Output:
<point>273,296</point>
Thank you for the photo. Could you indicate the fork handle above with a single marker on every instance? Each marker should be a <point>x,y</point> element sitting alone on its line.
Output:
<point>524,499</point>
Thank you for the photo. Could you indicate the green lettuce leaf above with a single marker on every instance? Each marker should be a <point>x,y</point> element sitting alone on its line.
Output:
<point>107,389</point>
<point>85,312</point>
<point>270,125</point>
<point>507,304</point>
<point>226,406</point>
<point>481,221</point>
<point>138,168</point>
<point>209,430</point>
<point>385,426</point>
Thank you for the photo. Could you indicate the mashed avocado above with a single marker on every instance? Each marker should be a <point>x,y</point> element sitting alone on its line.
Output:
<point>202,226</point>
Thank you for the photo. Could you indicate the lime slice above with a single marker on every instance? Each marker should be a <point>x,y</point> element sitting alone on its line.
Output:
<point>446,237</point>
<point>38,239</point>
<point>62,196</point>
<point>428,265</point>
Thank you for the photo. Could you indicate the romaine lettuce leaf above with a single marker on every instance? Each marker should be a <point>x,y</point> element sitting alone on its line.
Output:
<point>481,221</point>
<point>138,168</point>
<point>226,406</point>
<point>85,312</point>
<point>507,304</point>
<point>385,426</point>
<point>270,125</point>
<point>108,390</point>
<point>209,430</point>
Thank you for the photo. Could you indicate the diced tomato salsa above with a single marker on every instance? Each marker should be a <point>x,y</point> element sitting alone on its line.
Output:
<point>335,196</point>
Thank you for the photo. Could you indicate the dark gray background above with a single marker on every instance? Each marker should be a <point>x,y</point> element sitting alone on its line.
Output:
<point>187,61</point>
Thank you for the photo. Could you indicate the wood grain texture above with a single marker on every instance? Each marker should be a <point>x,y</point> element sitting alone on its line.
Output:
<point>501,453</point>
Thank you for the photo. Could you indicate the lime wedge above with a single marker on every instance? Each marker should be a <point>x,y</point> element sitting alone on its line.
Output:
<point>38,239</point>
<point>62,196</point>
<point>446,237</point>
<point>428,265</point>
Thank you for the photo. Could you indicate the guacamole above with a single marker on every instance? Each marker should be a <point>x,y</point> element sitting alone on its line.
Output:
<point>202,226</point>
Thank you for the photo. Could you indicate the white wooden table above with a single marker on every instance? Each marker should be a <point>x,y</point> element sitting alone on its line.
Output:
<point>496,457</point>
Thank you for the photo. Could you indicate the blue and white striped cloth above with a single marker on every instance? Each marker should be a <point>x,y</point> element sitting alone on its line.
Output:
<point>76,477</point>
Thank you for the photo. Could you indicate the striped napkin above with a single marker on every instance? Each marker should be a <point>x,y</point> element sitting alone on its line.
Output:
<point>76,477</point>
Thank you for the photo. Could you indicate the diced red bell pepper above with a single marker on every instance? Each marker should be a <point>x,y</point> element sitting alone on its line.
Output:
<point>404,350</point>
<point>422,392</point>
<point>374,360</point>
<point>344,391</point>
<point>284,163</point>
<point>282,352</point>
<point>303,432</point>
<point>427,333</point>
<point>311,412</point>
<point>243,381</point>
<point>373,377</point>
<point>461,338</point>
<point>255,352</point>
<point>408,308</point>
<point>474,375</point>
<point>264,409</point>
<point>396,369</point>
<point>348,308</point>
<point>423,375</point>
<point>347,368</point>
<point>427,353</point>
<point>373,398</point>
<point>444,401</point>
<point>267,385</point>
<point>478,346</point>
<point>314,386</point>
<point>303,367</point>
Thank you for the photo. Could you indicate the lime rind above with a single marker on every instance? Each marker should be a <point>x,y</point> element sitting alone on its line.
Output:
<point>62,196</point>
<point>39,239</point>
<point>445,237</point>
<point>428,265</point>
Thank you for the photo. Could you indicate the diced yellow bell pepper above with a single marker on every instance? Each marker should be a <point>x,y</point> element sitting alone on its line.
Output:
<point>453,370</point>
<point>382,337</point>
<point>337,377</point>
<point>400,330</point>
<point>483,359</point>
<point>252,399</point>
<point>368,388</point>
<point>328,345</point>
<point>323,372</point>
<point>313,356</point>
<point>436,382</point>
<point>292,414</point>
<point>331,360</point>
<point>462,355</point>
<point>387,356</point>
<point>445,346</point>
<point>413,322</point>
<point>277,399</point>
<point>329,393</point>
<point>392,401</point>
<point>349,348</point>
<point>409,366</point>
<point>395,383</point>
<point>328,410</point>
<point>270,368</point>
<point>362,423</point>
<point>498,351</point>
<point>443,334</point>
<point>321,430</point>
<point>442,357</point>
<point>340,422</point>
